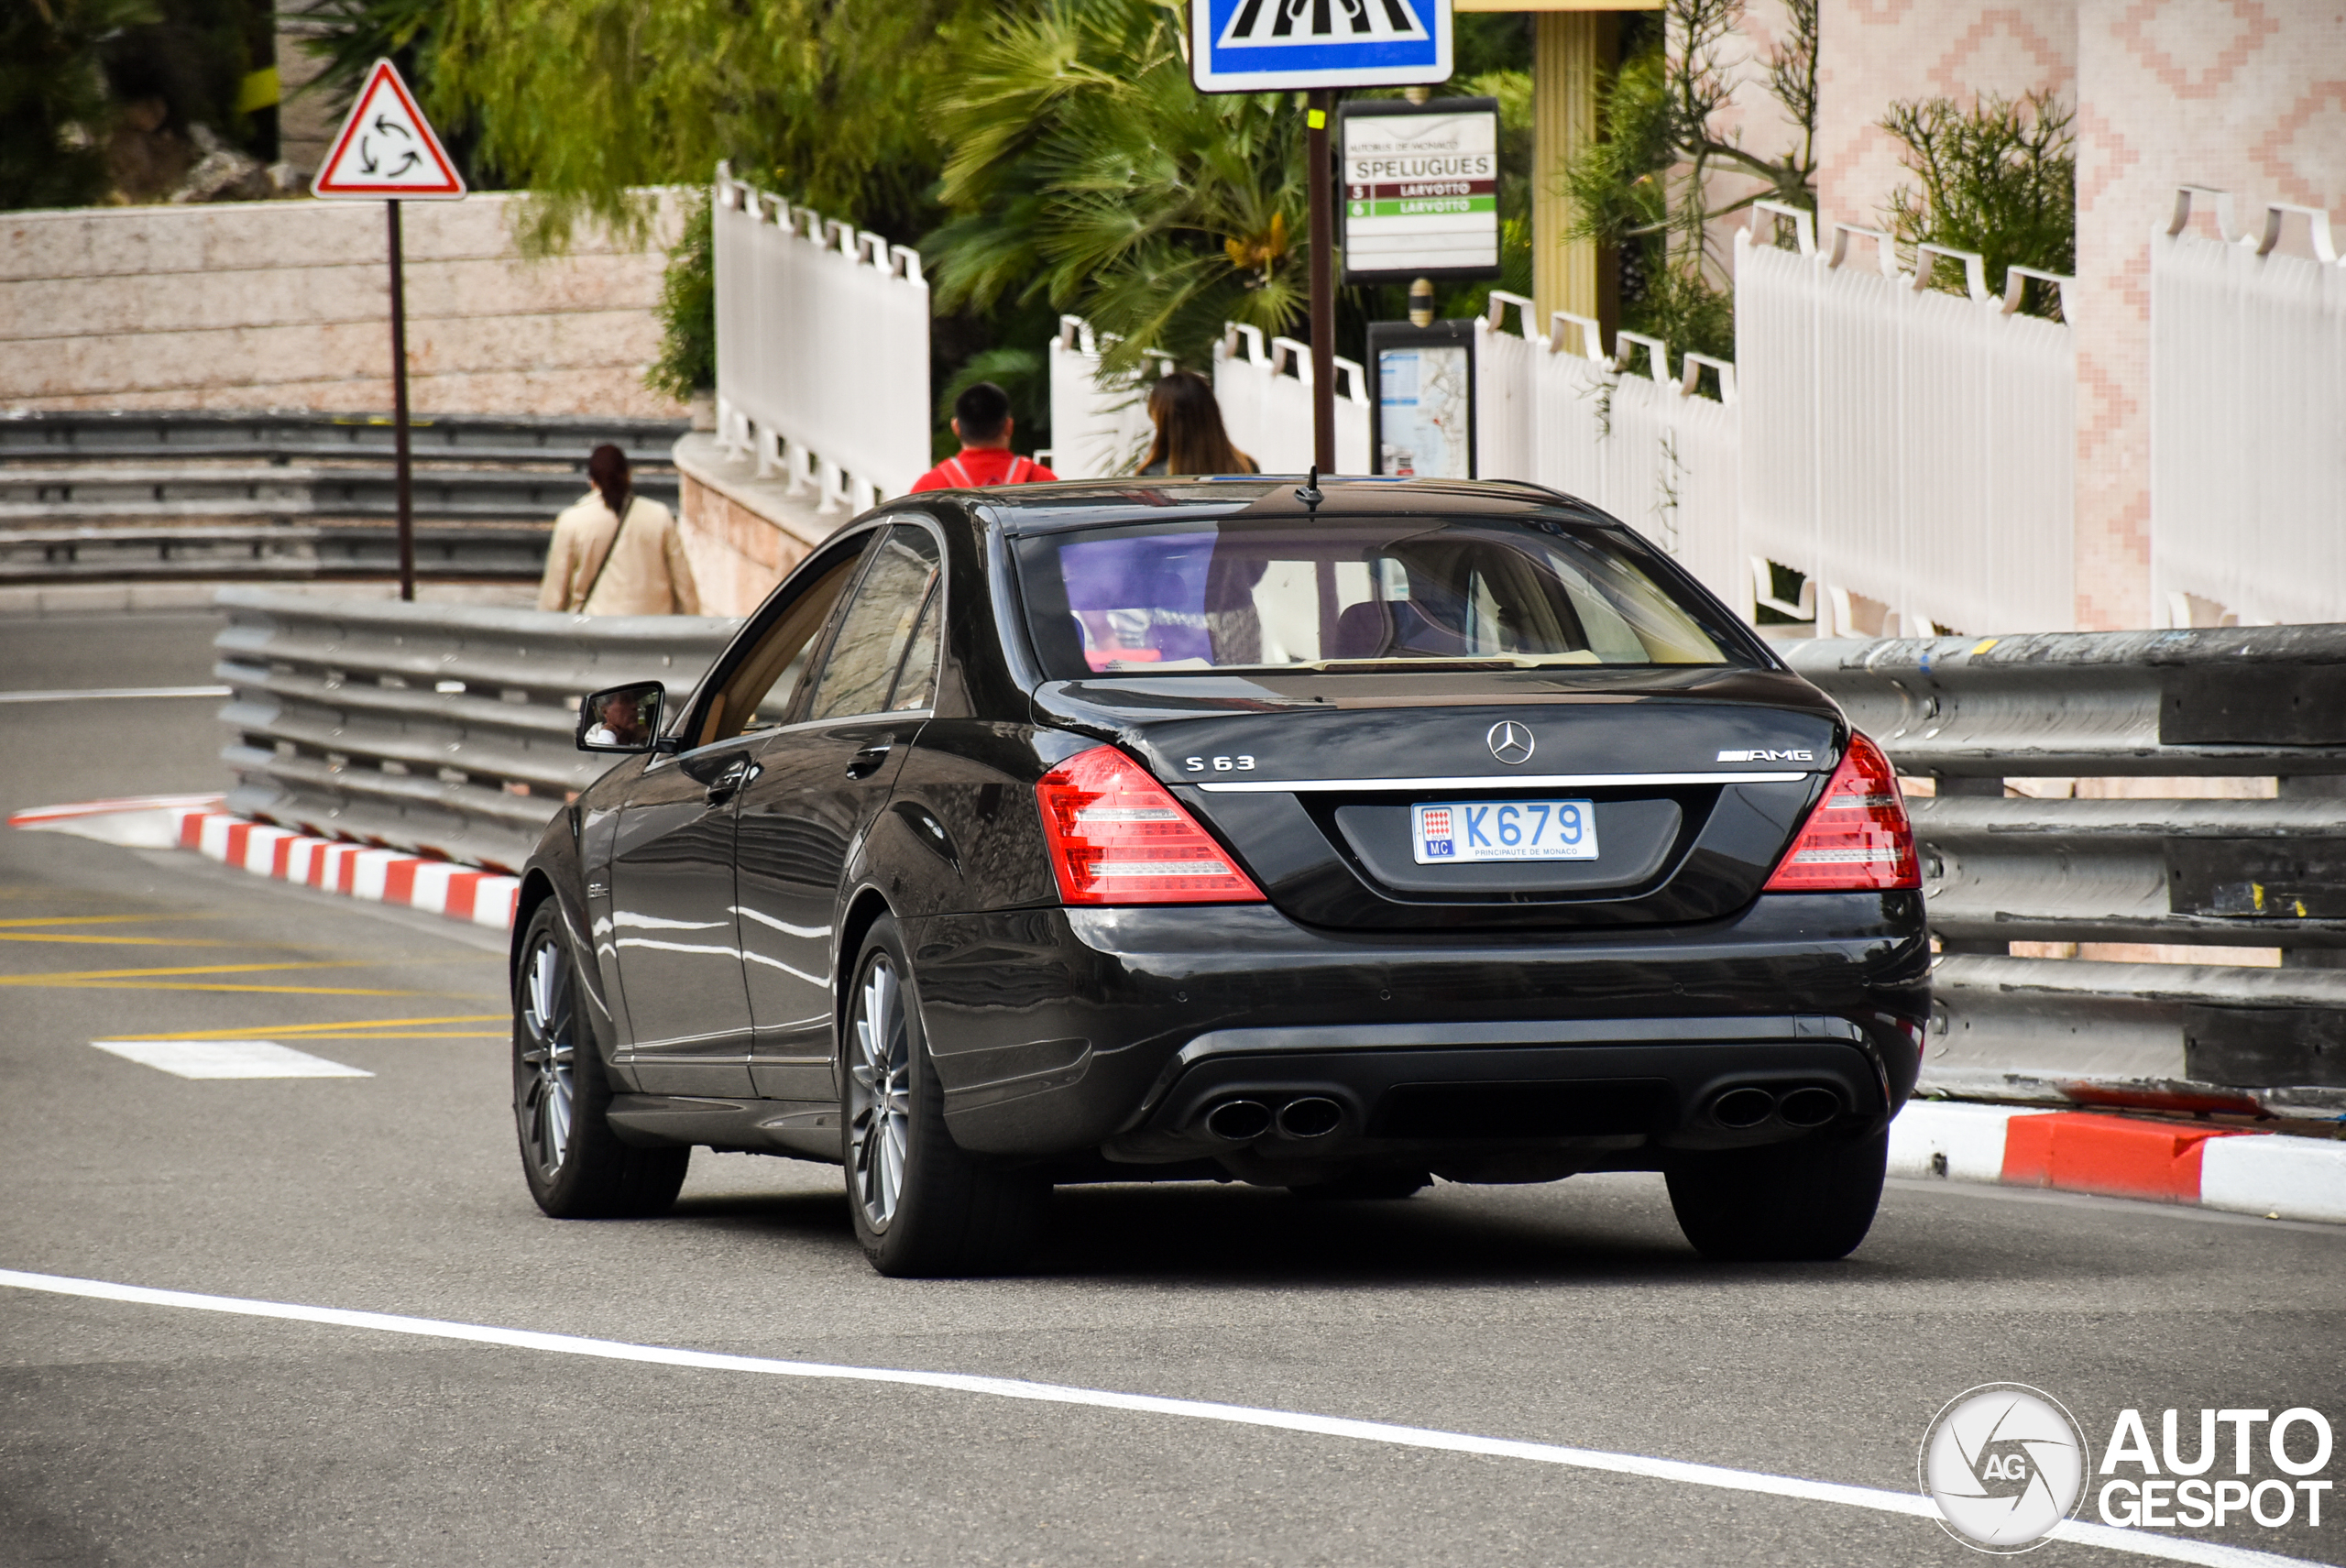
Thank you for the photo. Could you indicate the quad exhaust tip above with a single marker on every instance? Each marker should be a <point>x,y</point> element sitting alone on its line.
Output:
<point>1741,1109</point>
<point>1244,1120</point>
<point>1809,1107</point>
<point>1313,1116</point>
<point>1239,1121</point>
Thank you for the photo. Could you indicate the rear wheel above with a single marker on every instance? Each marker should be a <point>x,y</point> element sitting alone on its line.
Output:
<point>576,1167</point>
<point>921,1205</point>
<point>1805,1201</point>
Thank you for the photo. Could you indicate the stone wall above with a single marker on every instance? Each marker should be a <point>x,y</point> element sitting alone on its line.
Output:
<point>286,305</point>
<point>741,532</point>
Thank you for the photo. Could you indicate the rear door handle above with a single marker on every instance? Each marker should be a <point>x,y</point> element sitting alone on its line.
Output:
<point>866,761</point>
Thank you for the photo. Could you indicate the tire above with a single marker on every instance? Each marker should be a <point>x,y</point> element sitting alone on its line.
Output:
<point>1807,1201</point>
<point>1366,1187</point>
<point>923,1207</point>
<point>576,1167</point>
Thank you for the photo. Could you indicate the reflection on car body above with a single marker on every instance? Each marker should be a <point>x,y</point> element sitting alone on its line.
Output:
<point>1080,832</point>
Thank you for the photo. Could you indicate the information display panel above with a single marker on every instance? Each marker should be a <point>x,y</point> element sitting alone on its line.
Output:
<point>1422,423</point>
<point>1420,193</point>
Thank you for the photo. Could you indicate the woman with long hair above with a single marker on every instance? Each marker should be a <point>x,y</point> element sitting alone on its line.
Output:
<point>1189,434</point>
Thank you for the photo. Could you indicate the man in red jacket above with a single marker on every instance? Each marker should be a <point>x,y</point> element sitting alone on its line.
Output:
<point>981,420</point>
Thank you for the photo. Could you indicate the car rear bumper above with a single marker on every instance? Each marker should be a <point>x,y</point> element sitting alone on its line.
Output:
<point>1122,1032</point>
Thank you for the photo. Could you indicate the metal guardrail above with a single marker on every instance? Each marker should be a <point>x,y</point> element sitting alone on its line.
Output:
<point>43,437</point>
<point>268,551</point>
<point>2244,702</point>
<point>449,729</point>
<point>440,728</point>
<point>93,496</point>
<point>189,493</point>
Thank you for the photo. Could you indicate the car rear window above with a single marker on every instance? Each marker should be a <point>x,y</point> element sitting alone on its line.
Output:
<point>1358,594</point>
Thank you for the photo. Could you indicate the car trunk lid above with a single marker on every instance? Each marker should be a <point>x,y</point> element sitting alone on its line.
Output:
<point>1691,783</point>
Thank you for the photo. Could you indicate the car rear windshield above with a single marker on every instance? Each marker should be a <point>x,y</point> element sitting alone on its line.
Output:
<point>1358,594</point>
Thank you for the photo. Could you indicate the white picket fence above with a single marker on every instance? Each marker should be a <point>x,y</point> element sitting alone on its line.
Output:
<point>2248,422</point>
<point>1914,447</point>
<point>822,348</point>
<point>1911,452</point>
<point>1646,447</point>
<point>1098,430</point>
<point>1266,397</point>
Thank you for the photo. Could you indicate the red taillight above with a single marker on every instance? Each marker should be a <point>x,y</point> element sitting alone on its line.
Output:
<point>1117,837</point>
<point>1857,837</point>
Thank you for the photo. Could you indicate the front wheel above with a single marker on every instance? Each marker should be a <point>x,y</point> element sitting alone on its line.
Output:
<point>1789,1202</point>
<point>922,1206</point>
<point>576,1167</point>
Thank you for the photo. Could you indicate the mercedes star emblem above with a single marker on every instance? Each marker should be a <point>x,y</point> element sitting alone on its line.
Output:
<point>1510,742</point>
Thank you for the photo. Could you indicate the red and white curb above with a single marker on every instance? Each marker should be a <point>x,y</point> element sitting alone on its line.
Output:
<point>2274,1175</point>
<point>355,870</point>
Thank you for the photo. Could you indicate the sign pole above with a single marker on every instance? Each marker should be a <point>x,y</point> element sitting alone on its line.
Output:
<point>1324,282</point>
<point>386,152</point>
<point>398,410</point>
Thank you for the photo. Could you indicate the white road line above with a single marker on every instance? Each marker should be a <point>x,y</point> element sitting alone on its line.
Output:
<point>113,692</point>
<point>2173,1549</point>
<point>228,1058</point>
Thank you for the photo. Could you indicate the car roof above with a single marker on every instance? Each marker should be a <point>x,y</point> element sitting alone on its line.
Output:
<point>1088,503</point>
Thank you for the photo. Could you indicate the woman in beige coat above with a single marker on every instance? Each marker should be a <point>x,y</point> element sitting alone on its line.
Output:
<point>615,553</point>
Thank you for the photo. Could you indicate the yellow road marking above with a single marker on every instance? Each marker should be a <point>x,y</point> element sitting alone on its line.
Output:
<point>422,1036</point>
<point>260,1031</point>
<point>104,919</point>
<point>121,941</point>
<point>259,990</point>
<point>157,973</point>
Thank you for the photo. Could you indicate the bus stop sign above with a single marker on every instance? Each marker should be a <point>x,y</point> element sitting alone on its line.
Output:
<point>1280,45</point>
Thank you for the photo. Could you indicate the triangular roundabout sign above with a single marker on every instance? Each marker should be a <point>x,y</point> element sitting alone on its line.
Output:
<point>386,150</point>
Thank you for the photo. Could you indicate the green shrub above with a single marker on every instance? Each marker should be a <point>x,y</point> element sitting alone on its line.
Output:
<point>1998,177</point>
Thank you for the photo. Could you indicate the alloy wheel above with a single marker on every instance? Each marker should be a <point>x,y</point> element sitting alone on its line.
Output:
<point>548,1057</point>
<point>878,1093</point>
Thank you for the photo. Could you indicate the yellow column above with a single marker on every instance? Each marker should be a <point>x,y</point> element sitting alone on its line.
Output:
<point>1572,50</point>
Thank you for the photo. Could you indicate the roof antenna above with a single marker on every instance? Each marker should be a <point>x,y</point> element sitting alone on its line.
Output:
<point>1310,494</point>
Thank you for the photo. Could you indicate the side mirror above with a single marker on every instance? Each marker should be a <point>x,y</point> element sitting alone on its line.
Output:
<point>623,718</point>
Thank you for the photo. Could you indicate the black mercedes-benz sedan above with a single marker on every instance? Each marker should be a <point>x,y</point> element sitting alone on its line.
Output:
<point>1328,836</point>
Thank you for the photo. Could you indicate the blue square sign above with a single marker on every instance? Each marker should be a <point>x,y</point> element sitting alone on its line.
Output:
<point>1279,46</point>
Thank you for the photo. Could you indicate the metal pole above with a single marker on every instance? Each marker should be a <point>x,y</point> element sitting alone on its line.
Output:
<point>1324,282</point>
<point>398,410</point>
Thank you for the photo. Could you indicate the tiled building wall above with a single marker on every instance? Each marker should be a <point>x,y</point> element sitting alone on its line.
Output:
<point>286,305</point>
<point>1872,54</point>
<point>2244,95</point>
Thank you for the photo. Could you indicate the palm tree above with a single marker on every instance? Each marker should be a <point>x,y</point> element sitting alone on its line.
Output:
<point>1082,169</point>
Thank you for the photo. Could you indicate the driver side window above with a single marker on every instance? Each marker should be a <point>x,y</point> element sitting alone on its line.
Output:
<point>860,675</point>
<point>762,689</point>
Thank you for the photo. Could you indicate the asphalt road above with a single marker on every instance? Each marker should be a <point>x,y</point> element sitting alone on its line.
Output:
<point>1569,1314</point>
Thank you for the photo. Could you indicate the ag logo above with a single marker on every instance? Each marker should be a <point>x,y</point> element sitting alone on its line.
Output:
<point>2005,1464</point>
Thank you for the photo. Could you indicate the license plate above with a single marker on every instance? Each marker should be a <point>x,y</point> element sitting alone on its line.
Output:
<point>1454,830</point>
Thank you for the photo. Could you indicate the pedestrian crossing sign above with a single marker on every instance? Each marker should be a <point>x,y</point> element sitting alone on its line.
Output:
<point>1279,46</point>
<point>386,150</point>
